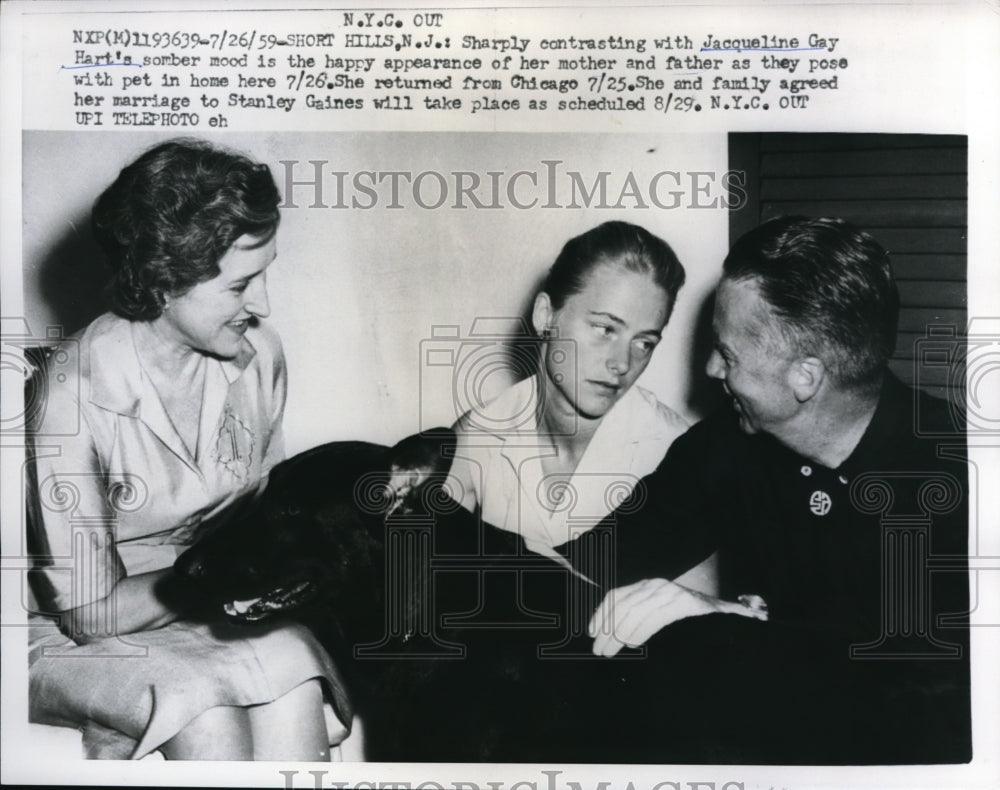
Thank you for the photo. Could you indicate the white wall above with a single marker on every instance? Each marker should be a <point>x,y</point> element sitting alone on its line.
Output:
<point>355,291</point>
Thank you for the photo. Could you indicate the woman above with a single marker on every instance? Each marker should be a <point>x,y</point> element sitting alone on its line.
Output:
<point>166,412</point>
<point>554,454</point>
<point>547,461</point>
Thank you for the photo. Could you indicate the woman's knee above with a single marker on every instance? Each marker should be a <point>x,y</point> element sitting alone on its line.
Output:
<point>292,727</point>
<point>220,733</point>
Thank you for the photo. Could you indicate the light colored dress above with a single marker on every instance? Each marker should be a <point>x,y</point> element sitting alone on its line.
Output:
<point>502,456</point>
<point>118,493</point>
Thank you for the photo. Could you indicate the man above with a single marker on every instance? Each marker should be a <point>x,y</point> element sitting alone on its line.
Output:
<point>828,508</point>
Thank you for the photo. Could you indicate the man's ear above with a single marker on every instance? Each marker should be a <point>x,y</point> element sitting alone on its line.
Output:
<point>542,313</point>
<point>805,376</point>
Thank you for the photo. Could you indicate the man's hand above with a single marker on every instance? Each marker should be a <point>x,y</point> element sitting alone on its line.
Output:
<point>631,615</point>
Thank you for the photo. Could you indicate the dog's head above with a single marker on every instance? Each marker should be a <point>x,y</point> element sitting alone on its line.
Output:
<point>316,532</point>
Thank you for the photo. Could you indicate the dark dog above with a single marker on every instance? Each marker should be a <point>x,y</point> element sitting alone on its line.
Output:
<point>342,539</point>
<point>458,645</point>
<point>455,643</point>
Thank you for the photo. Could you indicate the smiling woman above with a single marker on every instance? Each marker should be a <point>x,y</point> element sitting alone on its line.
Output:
<point>180,393</point>
<point>214,315</point>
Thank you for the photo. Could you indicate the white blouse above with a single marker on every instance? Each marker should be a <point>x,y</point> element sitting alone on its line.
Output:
<point>118,492</point>
<point>501,454</point>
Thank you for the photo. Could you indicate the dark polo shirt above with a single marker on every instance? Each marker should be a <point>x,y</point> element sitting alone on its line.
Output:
<point>870,550</point>
<point>864,658</point>
<point>864,571</point>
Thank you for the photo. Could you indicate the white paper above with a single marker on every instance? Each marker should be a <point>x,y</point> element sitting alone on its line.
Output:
<point>366,274</point>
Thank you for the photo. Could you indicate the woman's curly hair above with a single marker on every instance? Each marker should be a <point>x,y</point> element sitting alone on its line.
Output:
<point>171,215</point>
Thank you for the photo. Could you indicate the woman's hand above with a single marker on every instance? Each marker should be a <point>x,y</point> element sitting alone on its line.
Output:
<point>630,615</point>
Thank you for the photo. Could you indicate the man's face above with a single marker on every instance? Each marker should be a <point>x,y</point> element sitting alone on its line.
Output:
<point>751,359</point>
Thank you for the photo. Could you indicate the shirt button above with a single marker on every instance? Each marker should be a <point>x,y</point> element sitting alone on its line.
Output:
<point>806,471</point>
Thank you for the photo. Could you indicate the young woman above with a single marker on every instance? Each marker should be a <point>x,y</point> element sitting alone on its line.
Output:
<point>170,412</point>
<point>554,454</point>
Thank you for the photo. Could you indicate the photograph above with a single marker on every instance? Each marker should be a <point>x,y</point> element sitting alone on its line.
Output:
<point>641,438</point>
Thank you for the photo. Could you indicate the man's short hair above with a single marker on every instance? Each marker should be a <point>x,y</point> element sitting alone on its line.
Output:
<point>830,289</point>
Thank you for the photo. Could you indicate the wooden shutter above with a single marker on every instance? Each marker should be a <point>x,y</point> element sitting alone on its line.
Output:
<point>910,192</point>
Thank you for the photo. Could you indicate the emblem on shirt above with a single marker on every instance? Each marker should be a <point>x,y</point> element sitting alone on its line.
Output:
<point>820,503</point>
<point>234,446</point>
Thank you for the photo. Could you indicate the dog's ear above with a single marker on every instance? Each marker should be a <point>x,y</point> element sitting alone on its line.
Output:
<point>430,451</point>
<point>417,462</point>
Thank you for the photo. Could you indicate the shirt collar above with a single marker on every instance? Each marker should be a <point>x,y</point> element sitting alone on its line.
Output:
<point>895,407</point>
<point>116,381</point>
<point>632,420</point>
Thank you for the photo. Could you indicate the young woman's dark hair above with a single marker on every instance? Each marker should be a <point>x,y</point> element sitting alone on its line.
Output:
<point>172,214</point>
<point>831,290</point>
<point>617,243</point>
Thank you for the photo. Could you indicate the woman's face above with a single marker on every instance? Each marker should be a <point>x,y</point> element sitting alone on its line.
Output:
<point>213,316</point>
<point>602,338</point>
